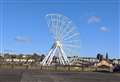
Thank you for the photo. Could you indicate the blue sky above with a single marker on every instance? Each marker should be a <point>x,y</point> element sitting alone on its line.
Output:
<point>24,28</point>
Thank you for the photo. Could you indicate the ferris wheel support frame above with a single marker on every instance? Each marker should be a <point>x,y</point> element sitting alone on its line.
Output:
<point>61,56</point>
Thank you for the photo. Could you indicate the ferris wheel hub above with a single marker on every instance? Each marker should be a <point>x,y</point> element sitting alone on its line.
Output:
<point>58,44</point>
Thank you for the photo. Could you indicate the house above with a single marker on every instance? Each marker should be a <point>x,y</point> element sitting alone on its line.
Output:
<point>104,65</point>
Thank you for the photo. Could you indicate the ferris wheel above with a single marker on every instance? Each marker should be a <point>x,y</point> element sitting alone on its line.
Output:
<point>66,39</point>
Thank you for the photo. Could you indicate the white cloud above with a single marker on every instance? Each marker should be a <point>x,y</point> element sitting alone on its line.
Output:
<point>104,29</point>
<point>22,39</point>
<point>97,19</point>
<point>93,19</point>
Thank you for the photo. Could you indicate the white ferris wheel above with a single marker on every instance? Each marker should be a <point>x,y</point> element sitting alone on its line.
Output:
<point>66,39</point>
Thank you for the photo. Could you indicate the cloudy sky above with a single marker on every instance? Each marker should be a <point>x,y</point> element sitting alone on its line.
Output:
<point>24,28</point>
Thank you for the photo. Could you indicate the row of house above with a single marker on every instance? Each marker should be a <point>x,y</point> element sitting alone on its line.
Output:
<point>36,58</point>
<point>21,58</point>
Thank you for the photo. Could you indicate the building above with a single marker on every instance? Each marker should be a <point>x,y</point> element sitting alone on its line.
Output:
<point>104,65</point>
<point>116,61</point>
<point>88,61</point>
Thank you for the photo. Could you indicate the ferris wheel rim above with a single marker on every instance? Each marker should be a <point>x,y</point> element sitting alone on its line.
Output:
<point>62,39</point>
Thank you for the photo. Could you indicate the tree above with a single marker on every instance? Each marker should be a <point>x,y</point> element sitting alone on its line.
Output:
<point>99,56</point>
<point>42,57</point>
<point>107,56</point>
<point>36,57</point>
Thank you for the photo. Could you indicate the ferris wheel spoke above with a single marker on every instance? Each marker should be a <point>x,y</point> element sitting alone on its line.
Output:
<point>76,34</point>
<point>72,42</point>
<point>70,31</point>
<point>63,25</point>
<point>73,46</point>
<point>58,23</point>
<point>65,28</point>
<point>54,29</point>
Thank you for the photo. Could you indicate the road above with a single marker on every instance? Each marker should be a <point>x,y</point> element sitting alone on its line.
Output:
<point>38,76</point>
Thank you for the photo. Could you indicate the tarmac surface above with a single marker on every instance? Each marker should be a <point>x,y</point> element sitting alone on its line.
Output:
<point>38,76</point>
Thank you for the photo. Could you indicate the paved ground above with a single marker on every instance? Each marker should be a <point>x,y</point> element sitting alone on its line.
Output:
<point>37,76</point>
